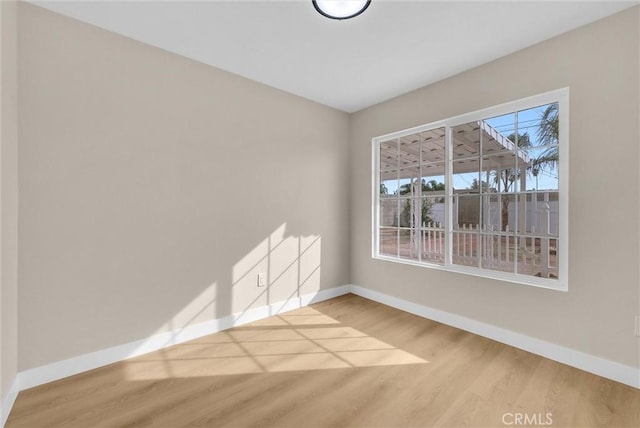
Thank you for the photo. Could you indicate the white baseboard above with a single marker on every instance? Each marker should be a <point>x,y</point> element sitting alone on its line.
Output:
<point>61,369</point>
<point>71,366</point>
<point>590,363</point>
<point>7,403</point>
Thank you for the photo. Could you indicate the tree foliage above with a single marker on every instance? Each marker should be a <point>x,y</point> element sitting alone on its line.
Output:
<point>548,134</point>
<point>407,213</point>
<point>427,186</point>
<point>477,185</point>
<point>427,203</point>
<point>506,177</point>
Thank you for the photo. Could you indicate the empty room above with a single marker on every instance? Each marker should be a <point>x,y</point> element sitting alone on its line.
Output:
<point>322,213</point>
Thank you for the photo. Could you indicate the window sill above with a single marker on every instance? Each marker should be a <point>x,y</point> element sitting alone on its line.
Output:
<point>551,284</point>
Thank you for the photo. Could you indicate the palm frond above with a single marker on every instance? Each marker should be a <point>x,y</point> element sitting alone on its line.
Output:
<point>548,131</point>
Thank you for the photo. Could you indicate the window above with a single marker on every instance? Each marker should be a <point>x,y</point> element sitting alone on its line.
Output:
<point>484,193</point>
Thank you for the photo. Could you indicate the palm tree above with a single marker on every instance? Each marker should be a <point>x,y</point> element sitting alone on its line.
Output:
<point>506,177</point>
<point>548,133</point>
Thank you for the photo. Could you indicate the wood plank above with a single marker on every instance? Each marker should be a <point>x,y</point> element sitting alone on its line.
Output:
<point>343,362</point>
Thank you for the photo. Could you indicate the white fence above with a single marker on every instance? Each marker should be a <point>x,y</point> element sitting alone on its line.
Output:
<point>541,216</point>
<point>532,251</point>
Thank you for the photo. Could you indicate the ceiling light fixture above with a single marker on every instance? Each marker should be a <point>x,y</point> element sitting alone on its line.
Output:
<point>341,9</point>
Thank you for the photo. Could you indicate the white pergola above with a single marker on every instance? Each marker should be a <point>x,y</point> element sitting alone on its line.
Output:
<point>402,157</point>
<point>418,156</point>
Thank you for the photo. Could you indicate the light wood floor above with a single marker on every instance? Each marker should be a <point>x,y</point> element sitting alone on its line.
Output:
<point>343,362</point>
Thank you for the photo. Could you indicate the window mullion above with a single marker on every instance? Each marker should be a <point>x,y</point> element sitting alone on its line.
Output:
<point>448,209</point>
<point>419,232</point>
<point>516,199</point>
<point>480,207</point>
<point>398,197</point>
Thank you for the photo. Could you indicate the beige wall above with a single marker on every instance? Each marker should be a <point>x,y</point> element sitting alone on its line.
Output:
<point>154,188</point>
<point>599,63</point>
<point>8,198</point>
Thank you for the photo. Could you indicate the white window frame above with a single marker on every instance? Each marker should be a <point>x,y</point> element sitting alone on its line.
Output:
<point>561,96</point>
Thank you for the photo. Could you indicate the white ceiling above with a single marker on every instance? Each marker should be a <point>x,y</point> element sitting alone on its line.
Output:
<point>394,47</point>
